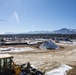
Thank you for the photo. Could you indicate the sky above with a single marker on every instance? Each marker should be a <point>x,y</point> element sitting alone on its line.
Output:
<point>19,16</point>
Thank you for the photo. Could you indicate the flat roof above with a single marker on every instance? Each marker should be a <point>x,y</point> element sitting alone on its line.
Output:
<point>5,56</point>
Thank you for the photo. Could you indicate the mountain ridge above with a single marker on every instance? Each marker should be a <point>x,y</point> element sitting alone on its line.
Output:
<point>60,31</point>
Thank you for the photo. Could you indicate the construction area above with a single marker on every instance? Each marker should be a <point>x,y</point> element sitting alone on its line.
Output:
<point>51,61</point>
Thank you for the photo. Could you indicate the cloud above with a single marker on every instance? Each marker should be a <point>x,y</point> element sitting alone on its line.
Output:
<point>16,16</point>
<point>2,20</point>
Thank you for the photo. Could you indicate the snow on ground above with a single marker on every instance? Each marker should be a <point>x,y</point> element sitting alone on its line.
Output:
<point>67,43</point>
<point>32,42</point>
<point>60,71</point>
<point>12,49</point>
<point>21,49</point>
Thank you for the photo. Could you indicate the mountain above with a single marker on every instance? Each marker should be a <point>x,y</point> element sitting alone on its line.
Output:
<point>61,31</point>
<point>39,32</point>
<point>8,33</point>
<point>65,31</point>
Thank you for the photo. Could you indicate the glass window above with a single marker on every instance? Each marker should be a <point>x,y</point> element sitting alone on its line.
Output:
<point>5,63</point>
<point>8,63</point>
<point>2,63</point>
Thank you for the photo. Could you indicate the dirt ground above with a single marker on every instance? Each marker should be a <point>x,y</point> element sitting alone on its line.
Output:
<point>47,60</point>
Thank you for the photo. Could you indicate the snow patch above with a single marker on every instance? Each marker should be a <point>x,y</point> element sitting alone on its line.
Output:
<point>60,71</point>
<point>48,45</point>
<point>12,49</point>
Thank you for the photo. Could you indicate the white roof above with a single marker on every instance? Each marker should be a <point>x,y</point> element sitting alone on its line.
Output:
<point>5,56</point>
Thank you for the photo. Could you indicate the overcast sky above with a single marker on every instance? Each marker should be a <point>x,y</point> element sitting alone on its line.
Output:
<point>36,15</point>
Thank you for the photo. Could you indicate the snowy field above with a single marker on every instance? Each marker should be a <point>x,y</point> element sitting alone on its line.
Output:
<point>46,60</point>
<point>66,43</point>
<point>49,60</point>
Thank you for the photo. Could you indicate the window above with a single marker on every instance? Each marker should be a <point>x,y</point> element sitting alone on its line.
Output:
<point>2,63</point>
